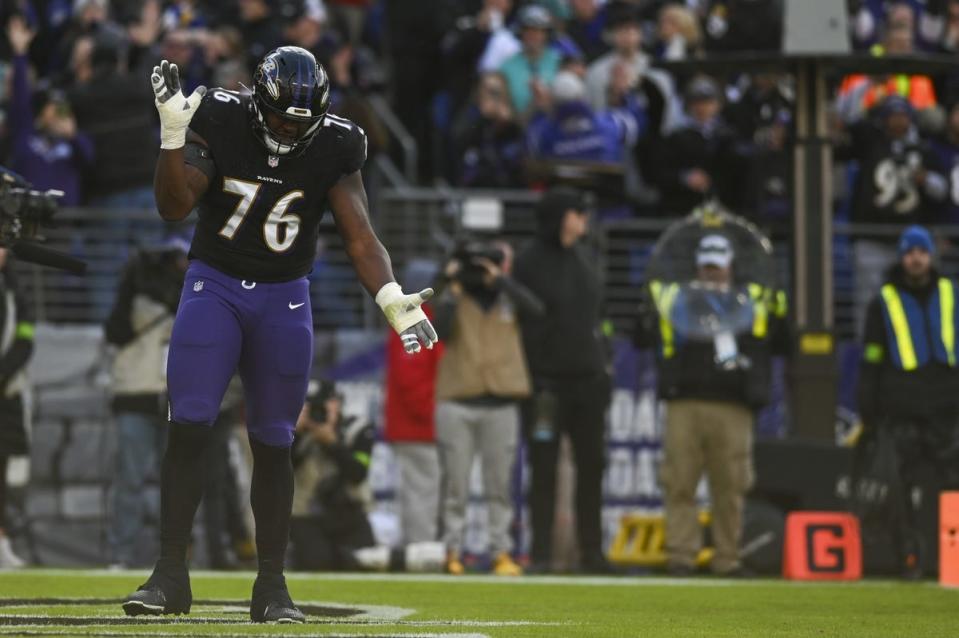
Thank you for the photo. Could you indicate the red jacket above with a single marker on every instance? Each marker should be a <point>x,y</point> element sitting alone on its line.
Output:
<point>410,395</point>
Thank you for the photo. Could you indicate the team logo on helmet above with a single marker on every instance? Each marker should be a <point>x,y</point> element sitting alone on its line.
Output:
<point>269,77</point>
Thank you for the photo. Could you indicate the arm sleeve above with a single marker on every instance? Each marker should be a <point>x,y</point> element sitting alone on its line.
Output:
<point>526,302</point>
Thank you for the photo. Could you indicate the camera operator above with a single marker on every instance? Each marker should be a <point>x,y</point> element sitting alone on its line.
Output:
<point>16,346</point>
<point>331,461</point>
<point>139,325</point>
<point>482,376</point>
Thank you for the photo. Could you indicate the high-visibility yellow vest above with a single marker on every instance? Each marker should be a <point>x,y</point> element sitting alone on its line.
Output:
<point>765,303</point>
<point>917,335</point>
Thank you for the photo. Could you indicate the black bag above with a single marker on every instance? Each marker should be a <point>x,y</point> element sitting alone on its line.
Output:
<point>876,490</point>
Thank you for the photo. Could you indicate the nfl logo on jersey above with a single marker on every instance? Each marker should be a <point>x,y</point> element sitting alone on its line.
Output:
<point>198,286</point>
<point>273,161</point>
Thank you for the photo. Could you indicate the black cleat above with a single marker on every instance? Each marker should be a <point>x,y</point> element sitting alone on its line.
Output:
<point>167,591</point>
<point>271,601</point>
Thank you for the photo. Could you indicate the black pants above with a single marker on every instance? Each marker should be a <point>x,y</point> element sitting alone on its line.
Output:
<point>578,409</point>
<point>327,542</point>
<point>927,450</point>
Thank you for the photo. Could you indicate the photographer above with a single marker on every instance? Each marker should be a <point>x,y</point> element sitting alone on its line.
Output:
<point>331,461</point>
<point>16,346</point>
<point>139,325</point>
<point>482,377</point>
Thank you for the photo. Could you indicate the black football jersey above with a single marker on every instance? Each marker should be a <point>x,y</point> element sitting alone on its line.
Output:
<point>259,218</point>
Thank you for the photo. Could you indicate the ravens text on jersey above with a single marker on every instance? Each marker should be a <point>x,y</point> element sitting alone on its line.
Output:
<point>260,215</point>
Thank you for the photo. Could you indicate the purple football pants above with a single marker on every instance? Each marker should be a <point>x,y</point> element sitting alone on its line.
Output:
<point>264,329</point>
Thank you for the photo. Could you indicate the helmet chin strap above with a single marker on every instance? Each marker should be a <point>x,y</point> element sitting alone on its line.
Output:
<point>275,147</point>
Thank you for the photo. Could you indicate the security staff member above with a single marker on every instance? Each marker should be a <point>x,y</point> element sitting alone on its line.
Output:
<point>712,388</point>
<point>908,377</point>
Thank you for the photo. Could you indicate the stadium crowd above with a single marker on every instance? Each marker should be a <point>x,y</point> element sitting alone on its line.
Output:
<point>498,94</point>
<point>520,86</point>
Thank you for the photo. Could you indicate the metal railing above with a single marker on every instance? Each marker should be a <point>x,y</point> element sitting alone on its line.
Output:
<point>419,225</point>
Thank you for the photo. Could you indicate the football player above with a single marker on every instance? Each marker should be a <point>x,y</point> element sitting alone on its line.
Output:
<point>259,168</point>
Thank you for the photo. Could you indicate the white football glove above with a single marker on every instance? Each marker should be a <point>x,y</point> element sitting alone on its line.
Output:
<point>407,318</point>
<point>176,110</point>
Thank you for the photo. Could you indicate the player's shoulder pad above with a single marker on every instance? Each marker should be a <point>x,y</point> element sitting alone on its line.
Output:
<point>219,107</point>
<point>350,141</point>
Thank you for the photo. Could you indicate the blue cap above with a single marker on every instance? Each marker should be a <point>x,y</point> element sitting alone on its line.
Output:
<point>915,237</point>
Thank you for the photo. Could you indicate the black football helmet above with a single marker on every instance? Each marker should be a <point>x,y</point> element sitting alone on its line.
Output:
<point>291,95</point>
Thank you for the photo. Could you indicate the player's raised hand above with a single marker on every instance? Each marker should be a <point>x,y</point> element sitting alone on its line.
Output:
<point>407,318</point>
<point>176,110</point>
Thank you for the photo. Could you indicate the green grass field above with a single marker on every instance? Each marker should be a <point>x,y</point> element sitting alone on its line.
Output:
<point>83,603</point>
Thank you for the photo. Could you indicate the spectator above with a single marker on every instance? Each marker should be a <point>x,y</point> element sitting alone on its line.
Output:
<point>183,14</point>
<point>488,143</point>
<point>950,34</point>
<point>535,67</point>
<point>305,25</point>
<point>946,149</point>
<point>573,130</point>
<point>481,379</point>
<point>477,44</point>
<point>16,347</point>
<point>586,27</point>
<point>907,382</point>
<point>416,31</point>
<point>349,16</point>
<point>113,106</point>
<point>859,94</point>
<point>409,429</point>
<point>47,148</point>
<point>744,25</point>
<point>678,35</point>
<point>712,388</point>
<point>139,326</point>
<point>899,178</point>
<point>700,158</point>
<point>768,198</point>
<point>624,31</point>
<point>261,29</point>
<point>924,20</point>
<point>898,181</point>
<point>567,361</point>
<point>331,460</point>
<point>761,101</point>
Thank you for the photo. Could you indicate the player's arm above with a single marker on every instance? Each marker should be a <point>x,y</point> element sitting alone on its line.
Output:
<point>372,264</point>
<point>176,185</point>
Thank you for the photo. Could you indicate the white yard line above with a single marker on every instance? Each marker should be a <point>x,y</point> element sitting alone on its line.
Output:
<point>587,581</point>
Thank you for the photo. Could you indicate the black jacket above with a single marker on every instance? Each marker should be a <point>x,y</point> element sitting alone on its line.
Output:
<point>885,391</point>
<point>567,340</point>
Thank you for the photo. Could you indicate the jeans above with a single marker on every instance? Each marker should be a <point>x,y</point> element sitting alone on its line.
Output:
<point>141,441</point>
